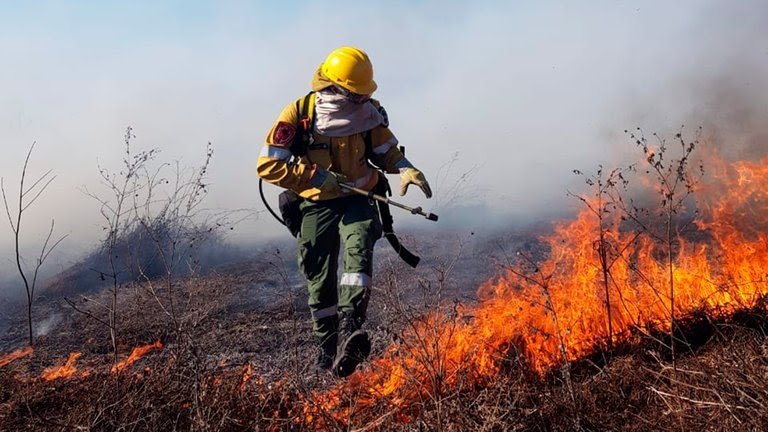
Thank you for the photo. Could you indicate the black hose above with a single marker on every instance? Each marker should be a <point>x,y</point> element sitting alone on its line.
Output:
<point>264,200</point>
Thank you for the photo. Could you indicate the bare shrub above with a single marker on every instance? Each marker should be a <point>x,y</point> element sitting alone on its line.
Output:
<point>26,197</point>
<point>675,177</point>
<point>602,204</point>
<point>155,228</point>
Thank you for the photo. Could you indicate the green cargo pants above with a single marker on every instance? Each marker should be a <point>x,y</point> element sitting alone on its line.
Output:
<point>355,221</point>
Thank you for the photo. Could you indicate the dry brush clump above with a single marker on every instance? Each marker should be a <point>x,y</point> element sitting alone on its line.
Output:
<point>155,227</point>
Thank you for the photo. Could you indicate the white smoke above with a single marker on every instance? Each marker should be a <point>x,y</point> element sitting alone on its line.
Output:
<point>525,91</point>
<point>45,326</point>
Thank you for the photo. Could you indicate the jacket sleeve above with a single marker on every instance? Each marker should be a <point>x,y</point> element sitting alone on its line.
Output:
<point>273,166</point>
<point>385,153</point>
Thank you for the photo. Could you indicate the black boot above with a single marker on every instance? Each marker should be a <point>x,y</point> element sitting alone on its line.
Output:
<point>327,353</point>
<point>355,346</point>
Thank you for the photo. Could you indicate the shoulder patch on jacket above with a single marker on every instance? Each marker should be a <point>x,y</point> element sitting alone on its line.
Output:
<point>384,116</point>
<point>283,134</point>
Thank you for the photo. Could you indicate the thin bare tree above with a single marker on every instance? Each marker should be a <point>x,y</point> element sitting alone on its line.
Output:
<point>603,202</point>
<point>675,178</point>
<point>26,197</point>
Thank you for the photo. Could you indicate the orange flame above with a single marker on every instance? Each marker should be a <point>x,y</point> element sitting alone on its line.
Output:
<point>136,354</point>
<point>19,353</point>
<point>66,371</point>
<point>558,312</point>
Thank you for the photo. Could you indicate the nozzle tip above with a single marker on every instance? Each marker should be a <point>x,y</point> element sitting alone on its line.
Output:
<point>432,217</point>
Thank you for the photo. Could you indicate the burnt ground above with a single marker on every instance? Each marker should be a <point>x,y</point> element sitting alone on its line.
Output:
<point>237,356</point>
<point>239,302</point>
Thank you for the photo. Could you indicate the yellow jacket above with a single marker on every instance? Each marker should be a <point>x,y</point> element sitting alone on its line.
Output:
<point>343,155</point>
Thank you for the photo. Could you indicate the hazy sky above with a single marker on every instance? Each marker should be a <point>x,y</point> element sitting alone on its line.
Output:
<point>523,91</point>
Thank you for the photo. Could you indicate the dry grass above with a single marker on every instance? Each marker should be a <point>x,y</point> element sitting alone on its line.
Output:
<point>241,363</point>
<point>722,386</point>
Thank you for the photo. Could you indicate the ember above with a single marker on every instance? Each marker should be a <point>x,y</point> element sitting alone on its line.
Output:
<point>247,375</point>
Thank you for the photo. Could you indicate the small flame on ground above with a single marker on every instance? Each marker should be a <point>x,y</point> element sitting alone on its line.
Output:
<point>19,353</point>
<point>136,354</point>
<point>66,371</point>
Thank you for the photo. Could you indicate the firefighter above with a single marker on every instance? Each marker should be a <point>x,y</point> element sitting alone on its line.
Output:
<point>343,130</point>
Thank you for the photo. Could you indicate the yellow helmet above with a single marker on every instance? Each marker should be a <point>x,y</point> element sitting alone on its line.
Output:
<point>350,68</point>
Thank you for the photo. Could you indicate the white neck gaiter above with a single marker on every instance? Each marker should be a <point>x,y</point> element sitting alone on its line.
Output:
<point>337,116</point>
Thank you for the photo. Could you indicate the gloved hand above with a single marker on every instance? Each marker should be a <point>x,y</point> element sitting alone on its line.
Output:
<point>410,176</point>
<point>331,182</point>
